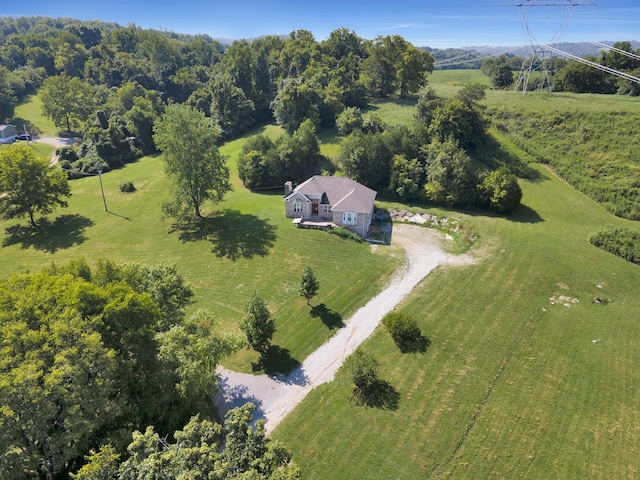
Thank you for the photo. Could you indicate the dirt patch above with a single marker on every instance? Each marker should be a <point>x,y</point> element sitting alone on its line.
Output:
<point>275,396</point>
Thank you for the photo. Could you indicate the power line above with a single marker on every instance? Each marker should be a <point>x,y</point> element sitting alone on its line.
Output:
<point>599,66</point>
<point>617,50</point>
<point>535,60</point>
<point>452,61</point>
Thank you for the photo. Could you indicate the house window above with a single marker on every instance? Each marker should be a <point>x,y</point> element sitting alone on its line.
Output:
<point>326,209</point>
<point>297,206</point>
<point>349,218</point>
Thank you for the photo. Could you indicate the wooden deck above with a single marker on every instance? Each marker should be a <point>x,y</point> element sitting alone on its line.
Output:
<point>306,223</point>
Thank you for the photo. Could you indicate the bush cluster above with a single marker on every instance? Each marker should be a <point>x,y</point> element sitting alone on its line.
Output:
<point>345,233</point>
<point>405,332</point>
<point>623,242</point>
<point>127,187</point>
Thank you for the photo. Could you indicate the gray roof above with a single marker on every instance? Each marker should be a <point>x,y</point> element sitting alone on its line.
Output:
<point>342,193</point>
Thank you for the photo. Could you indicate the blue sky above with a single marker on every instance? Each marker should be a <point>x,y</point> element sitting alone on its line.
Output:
<point>441,24</point>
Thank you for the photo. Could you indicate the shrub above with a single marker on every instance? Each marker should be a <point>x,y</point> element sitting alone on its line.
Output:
<point>623,242</point>
<point>363,369</point>
<point>68,153</point>
<point>345,233</point>
<point>349,120</point>
<point>499,190</point>
<point>127,187</point>
<point>403,329</point>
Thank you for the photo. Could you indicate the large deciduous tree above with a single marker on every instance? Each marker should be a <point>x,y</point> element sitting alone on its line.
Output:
<point>366,159</point>
<point>59,380</point>
<point>450,176</point>
<point>394,63</point>
<point>192,159</point>
<point>202,449</point>
<point>29,185</point>
<point>231,110</point>
<point>407,177</point>
<point>68,101</point>
<point>197,350</point>
<point>7,99</point>
<point>88,354</point>
<point>295,102</point>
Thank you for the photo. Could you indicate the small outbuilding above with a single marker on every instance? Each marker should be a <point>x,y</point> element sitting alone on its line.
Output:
<point>338,200</point>
<point>8,133</point>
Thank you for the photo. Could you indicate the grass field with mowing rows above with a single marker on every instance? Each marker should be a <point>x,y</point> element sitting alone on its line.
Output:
<point>531,371</point>
<point>514,384</point>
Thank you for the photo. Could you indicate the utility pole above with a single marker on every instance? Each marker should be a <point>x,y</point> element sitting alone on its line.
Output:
<point>104,200</point>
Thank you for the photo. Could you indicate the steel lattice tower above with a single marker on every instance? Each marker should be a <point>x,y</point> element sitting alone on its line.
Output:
<point>537,65</point>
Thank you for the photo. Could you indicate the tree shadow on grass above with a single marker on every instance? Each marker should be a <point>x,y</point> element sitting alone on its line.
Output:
<point>275,360</point>
<point>65,231</point>
<point>234,235</point>
<point>380,394</point>
<point>417,344</point>
<point>524,214</point>
<point>331,319</point>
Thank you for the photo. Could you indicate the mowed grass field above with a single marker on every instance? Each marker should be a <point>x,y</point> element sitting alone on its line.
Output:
<point>246,244</point>
<point>514,384</point>
<point>527,375</point>
<point>29,113</point>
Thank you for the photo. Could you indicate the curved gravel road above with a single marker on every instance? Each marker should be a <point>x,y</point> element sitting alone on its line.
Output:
<point>276,396</point>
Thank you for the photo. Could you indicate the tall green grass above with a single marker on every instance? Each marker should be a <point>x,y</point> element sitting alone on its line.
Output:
<point>589,140</point>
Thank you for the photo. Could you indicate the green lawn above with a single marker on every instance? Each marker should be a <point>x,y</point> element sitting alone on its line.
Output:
<point>512,385</point>
<point>245,244</point>
<point>29,113</point>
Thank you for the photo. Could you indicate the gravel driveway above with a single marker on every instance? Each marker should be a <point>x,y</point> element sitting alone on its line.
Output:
<point>55,141</point>
<point>276,396</point>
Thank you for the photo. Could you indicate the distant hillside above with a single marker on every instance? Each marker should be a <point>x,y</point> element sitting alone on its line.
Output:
<point>471,56</point>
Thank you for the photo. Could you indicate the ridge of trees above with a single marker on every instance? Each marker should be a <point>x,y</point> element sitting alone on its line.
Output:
<point>110,83</point>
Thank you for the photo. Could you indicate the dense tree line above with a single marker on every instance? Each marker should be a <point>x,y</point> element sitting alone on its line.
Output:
<point>427,160</point>
<point>430,160</point>
<point>111,83</point>
<point>573,76</point>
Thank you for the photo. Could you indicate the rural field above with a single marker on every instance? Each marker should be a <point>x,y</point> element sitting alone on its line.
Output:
<point>527,374</point>
<point>531,370</point>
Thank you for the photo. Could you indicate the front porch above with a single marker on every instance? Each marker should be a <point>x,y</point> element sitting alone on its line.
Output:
<point>312,223</point>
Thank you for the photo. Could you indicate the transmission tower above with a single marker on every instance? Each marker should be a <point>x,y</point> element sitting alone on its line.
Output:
<point>537,64</point>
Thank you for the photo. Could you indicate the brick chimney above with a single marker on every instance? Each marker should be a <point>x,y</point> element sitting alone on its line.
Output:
<point>288,186</point>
